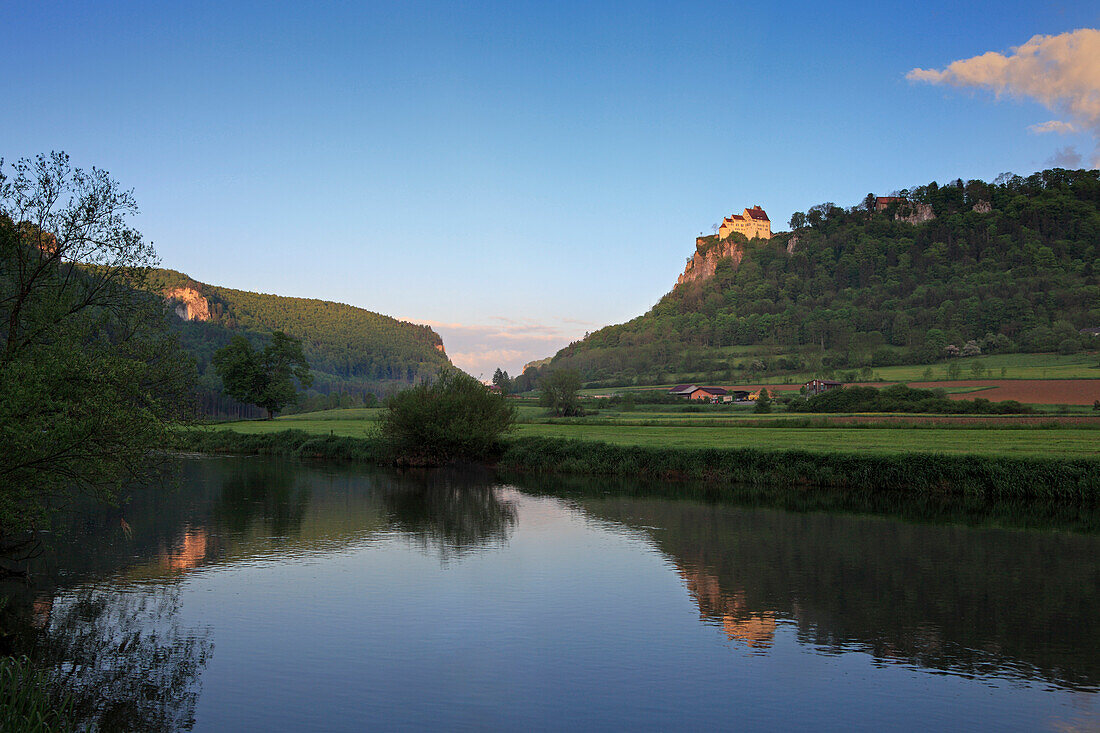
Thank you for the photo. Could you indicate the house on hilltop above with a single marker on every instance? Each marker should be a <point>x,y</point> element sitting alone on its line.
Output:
<point>752,222</point>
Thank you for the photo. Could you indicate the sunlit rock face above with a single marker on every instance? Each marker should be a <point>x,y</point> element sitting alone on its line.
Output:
<point>703,263</point>
<point>983,207</point>
<point>188,304</point>
<point>915,213</point>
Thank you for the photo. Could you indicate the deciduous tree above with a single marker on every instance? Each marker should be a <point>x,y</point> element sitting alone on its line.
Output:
<point>558,392</point>
<point>90,379</point>
<point>264,378</point>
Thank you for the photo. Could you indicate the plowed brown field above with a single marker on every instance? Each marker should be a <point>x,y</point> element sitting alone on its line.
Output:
<point>1034,391</point>
<point>974,420</point>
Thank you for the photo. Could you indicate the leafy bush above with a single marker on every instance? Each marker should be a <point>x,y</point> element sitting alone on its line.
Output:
<point>901,398</point>
<point>1069,346</point>
<point>453,418</point>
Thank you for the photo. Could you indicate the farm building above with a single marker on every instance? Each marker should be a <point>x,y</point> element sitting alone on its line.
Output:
<point>706,393</point>
<point>683,390</point>
<point>817,386</point>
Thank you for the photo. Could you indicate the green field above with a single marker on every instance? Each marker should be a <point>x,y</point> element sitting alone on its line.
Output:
<point>1067,443</point>
<point>697,430</point>
<point>1083,365</point>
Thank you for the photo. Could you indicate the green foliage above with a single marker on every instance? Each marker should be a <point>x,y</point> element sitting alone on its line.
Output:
<point>860,288</point>
<point>351,351</point>
<point>502,381</point>
<point>558,392</point>
<point>1069,346</point>
<point>452,418</point>
<point>90,379</point>
<point>265,378</point>
<point>28,700</point>
<point>900,398</point>
<point>286,443</point>
<point>763,402</point>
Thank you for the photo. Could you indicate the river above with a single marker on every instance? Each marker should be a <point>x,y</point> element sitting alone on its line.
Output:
<point>259,595</point>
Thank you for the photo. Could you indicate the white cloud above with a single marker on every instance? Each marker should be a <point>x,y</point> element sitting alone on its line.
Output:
<point>484,363</point>
<point>1062,128</point>
<point>1061,72</point>
<point>479,349</point>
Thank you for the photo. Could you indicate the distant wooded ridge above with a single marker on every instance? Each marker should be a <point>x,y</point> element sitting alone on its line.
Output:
<point>998,267</point>
<point>355,354</point>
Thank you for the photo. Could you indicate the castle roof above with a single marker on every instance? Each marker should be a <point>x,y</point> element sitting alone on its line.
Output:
<point>735,217</point>
<point>757,213</point>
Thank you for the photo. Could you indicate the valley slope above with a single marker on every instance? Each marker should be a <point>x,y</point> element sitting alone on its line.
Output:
<point>964,268</point>
<point>351,351</point>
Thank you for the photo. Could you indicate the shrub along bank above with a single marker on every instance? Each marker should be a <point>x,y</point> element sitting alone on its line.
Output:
<point>987,477</point>
<point>285,444</point>
<point>991,477</point>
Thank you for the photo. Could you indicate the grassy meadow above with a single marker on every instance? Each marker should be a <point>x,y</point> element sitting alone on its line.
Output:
<point>1082,365</point>
<point>1064,443</point>
<point>669,427</point>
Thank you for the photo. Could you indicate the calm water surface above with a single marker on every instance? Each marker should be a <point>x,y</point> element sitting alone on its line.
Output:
<point>271,596</point>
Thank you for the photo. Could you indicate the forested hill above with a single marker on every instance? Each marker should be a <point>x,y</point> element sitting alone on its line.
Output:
<point>1004,266</point>
<point>352,351</point>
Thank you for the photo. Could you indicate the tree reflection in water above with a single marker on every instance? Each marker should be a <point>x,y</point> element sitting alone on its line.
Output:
<point>273,492</point>
<point>930,591</point>
<point>452,512</point>
<point>123,657</point>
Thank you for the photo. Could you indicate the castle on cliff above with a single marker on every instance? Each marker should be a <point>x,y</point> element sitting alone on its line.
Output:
<point>753,222</point>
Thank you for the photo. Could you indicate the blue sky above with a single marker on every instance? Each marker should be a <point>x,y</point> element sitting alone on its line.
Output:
<point>516,173</point>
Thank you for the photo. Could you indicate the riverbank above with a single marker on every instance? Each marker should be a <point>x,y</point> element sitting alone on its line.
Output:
<point>1000,477</point>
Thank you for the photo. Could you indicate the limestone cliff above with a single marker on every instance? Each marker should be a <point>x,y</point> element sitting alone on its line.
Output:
<point>702,264</point>
<point>188,304</point>
<point>914,213</point>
